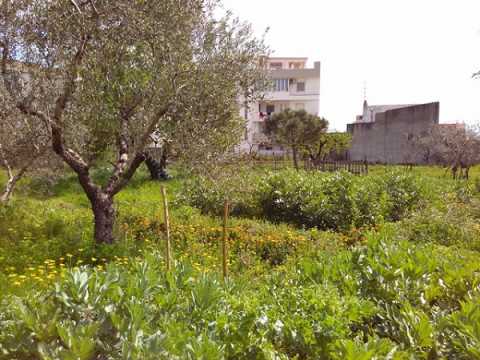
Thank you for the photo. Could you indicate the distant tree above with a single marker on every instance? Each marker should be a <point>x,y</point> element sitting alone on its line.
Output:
<point>454,147</point>
<point>104,75</point>
<point>24,145</point>
<point>328,145</point>
<point>295,129</point>
<point>459,148</point>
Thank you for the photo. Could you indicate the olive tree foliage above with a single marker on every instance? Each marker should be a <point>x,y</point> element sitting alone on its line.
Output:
<point>208,142</point>
<point>24,146</point>
<point>24,141</point>
<point>297,130</point>
<point>106,74</point>
<point>454,147</point>
<point>328,146</point>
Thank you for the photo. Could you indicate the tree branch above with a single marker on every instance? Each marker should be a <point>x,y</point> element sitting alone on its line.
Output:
<point>70,85</point>
<point>6,163</point>
<point>94,8</point>
<point>127,175</point>
<point>120,179</point>
<point>71,157</point>
<point>151,127</point>
<point>123,143</point>
<point>76,6</point>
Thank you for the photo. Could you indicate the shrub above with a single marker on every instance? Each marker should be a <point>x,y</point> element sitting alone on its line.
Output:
<point>452,225</point>
<point>337,201</point>
<point>209,195</point>
<point>333,201</point>
<point>403,193</point>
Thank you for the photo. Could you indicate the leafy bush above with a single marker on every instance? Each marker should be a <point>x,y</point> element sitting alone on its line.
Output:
<point>454,225</point>
<point>324,202</point>
<point>414,289</point>
<point>140,312</point>
<point>403,192</point>
<point>337,201</point>
<point>209,195</point>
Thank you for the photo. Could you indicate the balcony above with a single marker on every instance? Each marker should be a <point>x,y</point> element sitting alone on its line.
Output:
<point>292,95</point>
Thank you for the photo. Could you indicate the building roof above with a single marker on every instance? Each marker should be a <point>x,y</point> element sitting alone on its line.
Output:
<point>383,108</point>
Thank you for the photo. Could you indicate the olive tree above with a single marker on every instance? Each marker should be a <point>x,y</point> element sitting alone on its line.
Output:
<point>328,145</point>
<point>23,140</point>
<point>105,74</point>
<point>23,147</point>
<point>457,148</point>
<point>454,147</point>
<point>295,129</point>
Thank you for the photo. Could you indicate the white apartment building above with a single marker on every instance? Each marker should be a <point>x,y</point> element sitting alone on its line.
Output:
<point>294,86</point>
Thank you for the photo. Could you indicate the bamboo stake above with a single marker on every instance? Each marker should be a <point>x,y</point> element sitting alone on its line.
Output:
<point>168,251</point>
<point>224,242</point>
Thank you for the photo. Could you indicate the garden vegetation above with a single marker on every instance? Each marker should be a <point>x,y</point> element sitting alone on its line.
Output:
<point>322,266</point>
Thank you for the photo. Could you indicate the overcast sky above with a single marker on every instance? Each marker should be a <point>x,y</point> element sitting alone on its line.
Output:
<point>409,51</point>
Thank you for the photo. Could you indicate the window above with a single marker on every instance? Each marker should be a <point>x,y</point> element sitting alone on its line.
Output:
<point>299,106</point>
<point>301,86</point>
<point>270,109</point>
<point>280,85</point>
<point>276,65</point>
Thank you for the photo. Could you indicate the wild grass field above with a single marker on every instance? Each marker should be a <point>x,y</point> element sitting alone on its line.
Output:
<point>322,266</point>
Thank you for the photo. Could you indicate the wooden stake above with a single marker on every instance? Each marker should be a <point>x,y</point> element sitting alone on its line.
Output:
<point>224,242</point>
<point>166,218</point>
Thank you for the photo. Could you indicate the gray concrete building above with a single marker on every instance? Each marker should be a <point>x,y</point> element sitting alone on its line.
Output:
<point>382,133</point>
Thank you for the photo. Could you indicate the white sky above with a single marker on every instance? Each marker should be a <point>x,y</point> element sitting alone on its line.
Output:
<point>408,51</point>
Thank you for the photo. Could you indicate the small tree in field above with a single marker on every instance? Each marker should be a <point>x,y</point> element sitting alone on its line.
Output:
<point>295,129</point>
<point>454,147</point>
<point>458,148</point>
<point>103,75</point>
<point>24,144</point>
<point>328,145</point>
<point>21,149</point>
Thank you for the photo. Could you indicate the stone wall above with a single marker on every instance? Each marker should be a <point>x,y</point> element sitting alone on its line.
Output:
<point>386,139</point>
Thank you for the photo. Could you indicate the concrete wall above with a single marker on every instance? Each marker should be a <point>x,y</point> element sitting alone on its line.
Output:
<point>386,139</point>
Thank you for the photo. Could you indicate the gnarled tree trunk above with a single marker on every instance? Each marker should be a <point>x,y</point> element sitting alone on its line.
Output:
<point>104,218</point>
<point>157,168</point>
